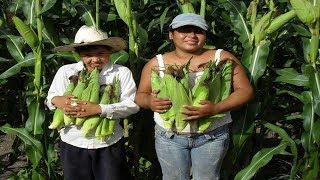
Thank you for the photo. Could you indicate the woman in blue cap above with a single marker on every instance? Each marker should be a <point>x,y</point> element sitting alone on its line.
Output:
<point>203,151</point>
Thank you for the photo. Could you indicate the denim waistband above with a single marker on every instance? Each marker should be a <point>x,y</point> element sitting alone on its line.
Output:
<point>170,133</point>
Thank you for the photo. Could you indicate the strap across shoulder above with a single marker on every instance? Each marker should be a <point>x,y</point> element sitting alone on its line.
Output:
<point>217,55</point>
<point>161,65</point>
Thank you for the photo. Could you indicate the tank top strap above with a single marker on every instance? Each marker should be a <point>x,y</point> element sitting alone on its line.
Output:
<point>161,65</point>
<point>217,55</point>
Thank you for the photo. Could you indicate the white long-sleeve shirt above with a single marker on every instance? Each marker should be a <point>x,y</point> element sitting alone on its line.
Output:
<point>126,107</point>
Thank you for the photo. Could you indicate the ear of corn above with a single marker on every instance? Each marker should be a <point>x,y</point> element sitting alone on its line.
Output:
<point>58,116</point>
<point>167,84</point>
<point>161,84</point>
<point>57,120</point>
<point>26,32</point>
<point>103,127</point>
<point>178,100</point>
<point>81,85</point>
<point>200,90</point>
<point>90,124</point>
<point>226,80</point>
<point>98,130</point>
<point>219,90</point>
<point>91,92</point>
<point>305,10</point>
<point>214,85</point>
<point>155,80</point>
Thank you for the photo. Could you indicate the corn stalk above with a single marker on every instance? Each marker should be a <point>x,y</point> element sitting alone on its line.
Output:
<point>185,6</point>
<point>124,10</point>
<point>256,48</point>
<point>308,13</point>
<point>97,14</point>
<point>33,133</point>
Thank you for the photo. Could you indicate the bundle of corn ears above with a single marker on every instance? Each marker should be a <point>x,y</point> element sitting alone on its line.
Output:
<point>86,87</point>
<point>214,85</point>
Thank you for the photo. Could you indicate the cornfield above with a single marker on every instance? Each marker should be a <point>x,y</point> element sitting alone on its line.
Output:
<point>275,136</point>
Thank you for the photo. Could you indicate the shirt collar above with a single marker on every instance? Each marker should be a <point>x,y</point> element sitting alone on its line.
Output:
<point>107,68</point>
<point>79,66</point>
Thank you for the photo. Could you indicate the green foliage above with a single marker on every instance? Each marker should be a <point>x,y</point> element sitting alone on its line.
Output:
<point>276,41</point>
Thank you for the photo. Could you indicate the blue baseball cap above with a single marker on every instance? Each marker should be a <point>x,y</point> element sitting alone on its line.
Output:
<point>189,19</point>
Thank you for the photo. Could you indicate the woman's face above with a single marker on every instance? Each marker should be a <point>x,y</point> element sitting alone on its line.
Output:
<point>95,57</point>
<point>188,38</point>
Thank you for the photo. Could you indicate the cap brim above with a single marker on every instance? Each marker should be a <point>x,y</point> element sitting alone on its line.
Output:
<point>188,23</point>
<point>115,43</point>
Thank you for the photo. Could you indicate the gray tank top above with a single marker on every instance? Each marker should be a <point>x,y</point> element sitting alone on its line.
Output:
<point>193,77</point>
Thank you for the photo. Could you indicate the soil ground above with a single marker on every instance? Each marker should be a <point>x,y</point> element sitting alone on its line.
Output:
<point>6,168</point>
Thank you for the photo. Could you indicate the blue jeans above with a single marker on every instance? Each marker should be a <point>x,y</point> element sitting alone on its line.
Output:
<point>203,152</point>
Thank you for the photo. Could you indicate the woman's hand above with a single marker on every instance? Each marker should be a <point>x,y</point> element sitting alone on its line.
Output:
<point>159,105</point>
<point>197,113</point>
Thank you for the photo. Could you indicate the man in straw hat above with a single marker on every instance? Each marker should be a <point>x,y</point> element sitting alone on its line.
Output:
<point>87,157</point>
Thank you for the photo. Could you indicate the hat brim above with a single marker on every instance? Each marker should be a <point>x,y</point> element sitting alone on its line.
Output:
<point>188,23</point>
<point>115,43</point>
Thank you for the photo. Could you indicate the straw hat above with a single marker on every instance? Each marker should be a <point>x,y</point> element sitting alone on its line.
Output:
<point>87,36</point>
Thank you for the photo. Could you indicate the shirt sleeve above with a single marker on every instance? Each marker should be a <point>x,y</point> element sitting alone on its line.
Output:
<point>126,106</point>
<point>57,87</point>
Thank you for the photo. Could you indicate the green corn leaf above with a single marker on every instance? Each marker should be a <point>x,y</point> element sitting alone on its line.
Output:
<point>283,134</point>
<point>308,123</point>
<point>312,171</point>
<point>316,132</point>
<point>122,11</point>
<point>243,126</point>
<point>16,5</point>
<point>259,160</point>
<point>143,36</point>
<point>50,32</point>
<point>86,14</point>
<point>301,30</point>
<point>29,11</point>
<point>48,4</point>
<point>259,61</point>
<point>24,136</point>
<point>291,76</point>
<point>292,93</point>
<point>120,57</point>
<point>37,174</point>
<point>36,117</point>
<point>14,46</point>
<point>29,61</point>
<point>237,9</point>
<point>163,18</point>
<point>315,89</point>
<point>26,32</point>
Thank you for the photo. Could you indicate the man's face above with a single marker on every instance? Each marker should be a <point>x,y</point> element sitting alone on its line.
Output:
<point>95,57</point>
